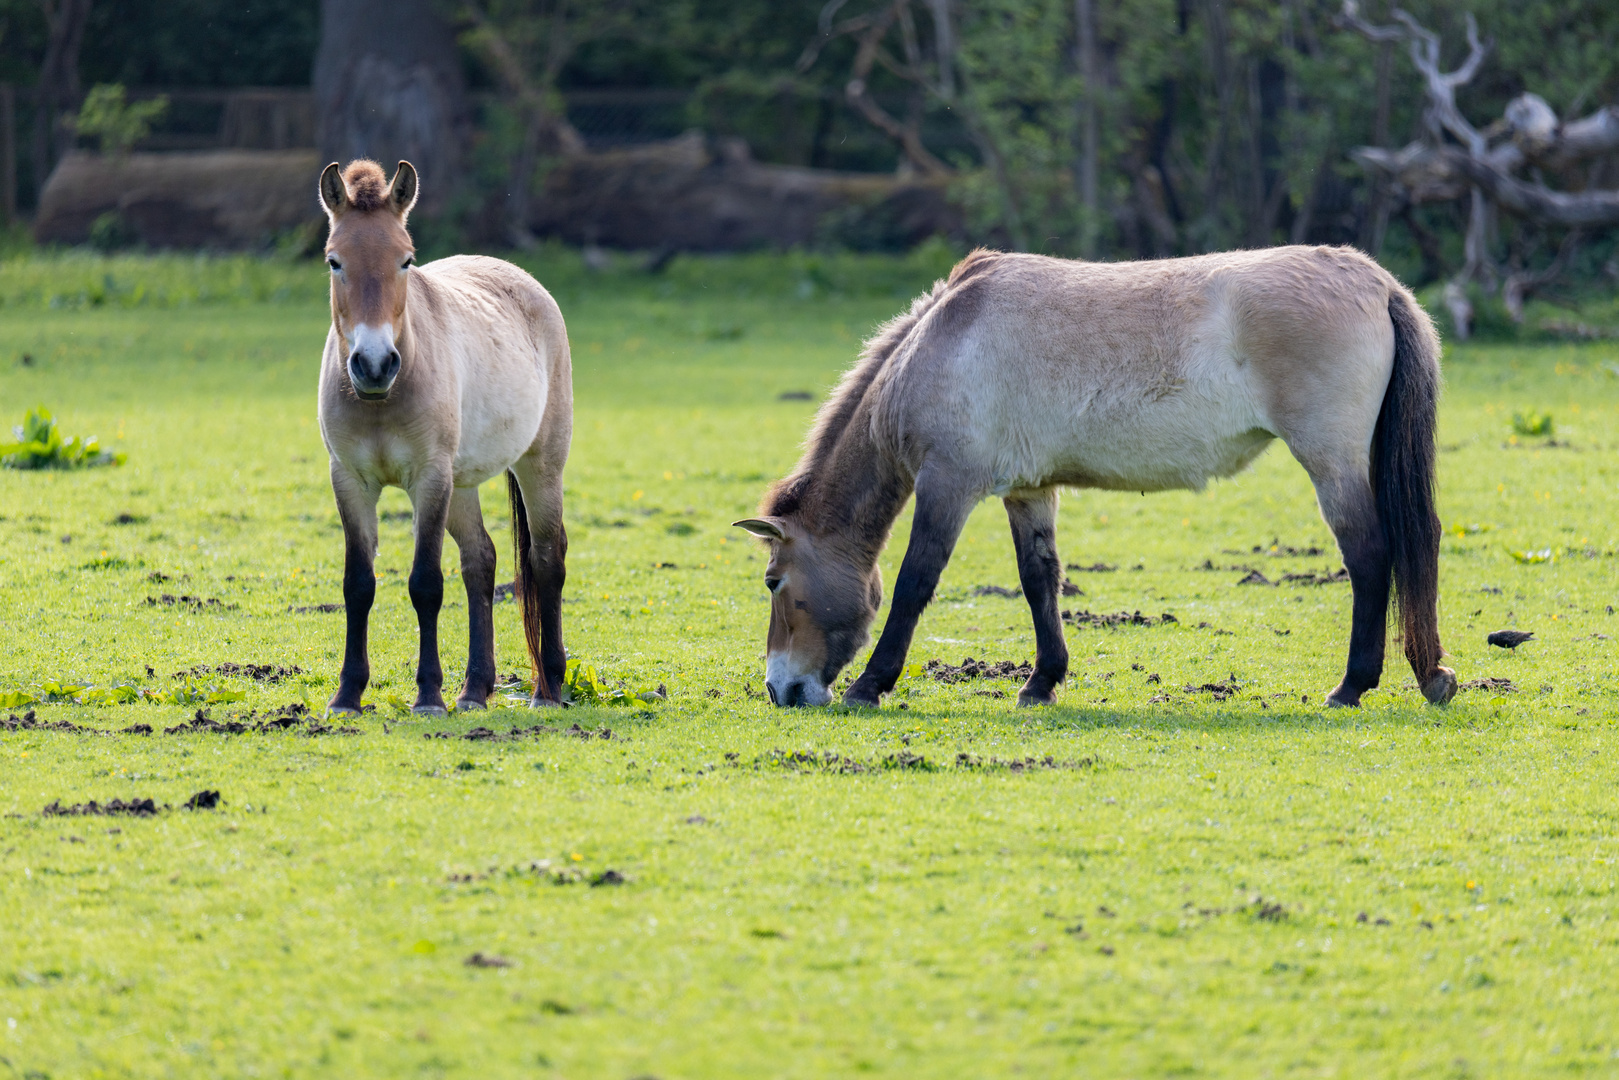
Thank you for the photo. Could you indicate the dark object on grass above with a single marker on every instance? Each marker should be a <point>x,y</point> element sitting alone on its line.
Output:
<point>479,960</point>
<point>203,800</point>
<point>997,590</point>
<point>1256,578</point>
<point>1070,589</point>
<point>1510,639</point>
<point>795,395</point>
<point>608,877</point>
<point>316,609</point>
<point>1117,618</point>
<point>940,671</point>
<point>130,808</point>
<point>1499,686</point>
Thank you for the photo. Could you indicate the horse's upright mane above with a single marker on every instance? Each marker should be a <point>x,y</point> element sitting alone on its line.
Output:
<point>367,184</point>
<point>788,495</point>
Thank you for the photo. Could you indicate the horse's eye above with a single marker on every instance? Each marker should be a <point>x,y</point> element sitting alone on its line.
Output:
<point>772,583</point>
<point>333,263</point>
<point>410,260</point>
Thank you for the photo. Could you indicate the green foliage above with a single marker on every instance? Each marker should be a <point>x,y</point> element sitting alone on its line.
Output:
<point>40,445</point>
<point>1532,422</point>
<point>115,123</point>
<point>582,686</point>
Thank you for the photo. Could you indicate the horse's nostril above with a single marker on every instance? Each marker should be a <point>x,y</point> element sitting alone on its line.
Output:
<point>772,691</point>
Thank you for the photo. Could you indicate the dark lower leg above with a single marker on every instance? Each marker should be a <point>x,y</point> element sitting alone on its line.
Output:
<point>1366,558</point>
<point>432,504</point>
<point>478,569</point>
<point>934,530</point>
<point>552,568</point>
<point>359,592</point>
<point>1034,537</point>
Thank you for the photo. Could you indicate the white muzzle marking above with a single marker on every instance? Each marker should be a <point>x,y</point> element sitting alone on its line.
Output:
<point>789,685</point>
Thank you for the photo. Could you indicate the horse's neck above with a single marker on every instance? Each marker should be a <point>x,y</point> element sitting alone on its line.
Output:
<point>857,490</point>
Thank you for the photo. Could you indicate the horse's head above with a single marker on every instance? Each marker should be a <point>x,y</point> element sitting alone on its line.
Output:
<point>824,595</point>
<point>370,254</point>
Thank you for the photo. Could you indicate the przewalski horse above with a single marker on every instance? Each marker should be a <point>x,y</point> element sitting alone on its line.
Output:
<point>436,378</point>
<point>1021,374</point>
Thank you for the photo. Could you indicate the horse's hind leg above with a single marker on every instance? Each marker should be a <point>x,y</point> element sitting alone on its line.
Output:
<point>1350,509</point>
<point>1033,515</point>
<point>544,569</point>
<point>478,571</point>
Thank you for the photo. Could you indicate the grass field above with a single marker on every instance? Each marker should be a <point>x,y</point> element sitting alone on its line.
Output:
<point>1147,880</point>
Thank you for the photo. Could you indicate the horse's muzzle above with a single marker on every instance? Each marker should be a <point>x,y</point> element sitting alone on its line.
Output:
<point>373,377</point>
<point>798,692</point>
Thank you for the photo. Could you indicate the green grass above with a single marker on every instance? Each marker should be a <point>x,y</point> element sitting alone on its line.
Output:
<point>865,913</point>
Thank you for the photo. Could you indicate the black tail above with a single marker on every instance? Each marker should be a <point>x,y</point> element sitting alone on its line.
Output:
<point>1403,455</point>
<point>526,586</point>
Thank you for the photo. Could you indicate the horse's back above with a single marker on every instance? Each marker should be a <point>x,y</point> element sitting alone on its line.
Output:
<point>1146,375</point>
<point>504,345</point>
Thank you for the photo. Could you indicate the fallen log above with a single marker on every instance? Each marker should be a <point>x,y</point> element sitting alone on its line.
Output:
<point>230,199</point>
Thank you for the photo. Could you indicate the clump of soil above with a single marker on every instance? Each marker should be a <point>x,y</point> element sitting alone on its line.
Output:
<point>1256,578</point>
<point>1221,691</point>
<point>810,761</point>
<point>203,800</point>
<point>1498,686</point>
<point>1278,550</point>
<point>195,603</point>
<point>969,668</point>
<point>1094,568</point>
<point>316,609</point>
<point>479,960</point>
<point>996,590</point>
<point>904,759</point>
<point>28,722</point>
<point>1117,619</point>
<point>115,808</point>
<point>1341,575</point>
<point>483,734</point>
<point>266,673</point>
<point>505,592</point>
<point>1019,765</point>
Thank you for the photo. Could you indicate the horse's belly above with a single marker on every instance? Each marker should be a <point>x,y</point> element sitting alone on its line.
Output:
<point>1181,440</point>
<point>498,425</point>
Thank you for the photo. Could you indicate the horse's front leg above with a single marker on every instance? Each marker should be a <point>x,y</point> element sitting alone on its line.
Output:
<point>1033,515</point>
<point>478,571</point>
<point>430,498</point>
<point>942,506</point>
<point>357,507</point>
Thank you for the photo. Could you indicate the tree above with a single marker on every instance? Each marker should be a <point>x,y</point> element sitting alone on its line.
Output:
<point>388,86</point>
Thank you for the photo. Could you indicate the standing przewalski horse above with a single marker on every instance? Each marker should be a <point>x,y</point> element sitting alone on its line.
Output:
<point>1021,374</point>
<point>436,378</point>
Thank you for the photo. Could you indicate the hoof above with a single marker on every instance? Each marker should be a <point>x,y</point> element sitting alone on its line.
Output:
<point>1028,698</point>
<point>429,710</point>
<point>467,704</point>
<point>347,712</point>
<point>538,702</point>
<point>858,697</point>
<point>1441,688</point>
<point>1343,698</point>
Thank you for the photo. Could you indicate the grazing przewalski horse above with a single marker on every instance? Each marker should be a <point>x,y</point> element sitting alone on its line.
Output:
<point>436,378</point>
<point>1020,374</point>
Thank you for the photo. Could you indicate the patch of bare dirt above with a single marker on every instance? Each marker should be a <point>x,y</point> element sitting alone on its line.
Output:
<point>1116,619</point>
<point>996,590</point>
<point>1495,686</point>
<point>316,609</point>
<point>1019,765</point>
<point>29,721</point>
<point>1094,568</point>
<point>969,668</point>
<point>1310,577</point>
<point>114,808</point>
<point>1221,691</point>
<point>195,603</point>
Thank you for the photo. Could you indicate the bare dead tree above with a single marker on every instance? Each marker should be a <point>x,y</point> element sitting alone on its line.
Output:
<point>1458,160</point>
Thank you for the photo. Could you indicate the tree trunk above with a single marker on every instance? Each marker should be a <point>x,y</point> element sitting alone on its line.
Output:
<point>58,84</point>
<point>388,86</point>
<point>1089,133</point>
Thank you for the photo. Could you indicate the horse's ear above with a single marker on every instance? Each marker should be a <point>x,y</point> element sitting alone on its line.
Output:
<point>402,191</point>
<point>333,195</point>
<point>769,528</point>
